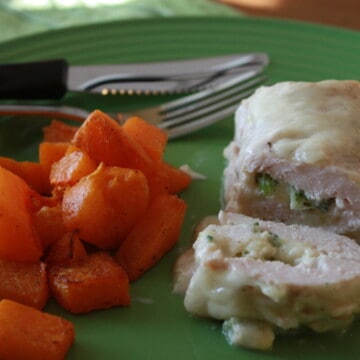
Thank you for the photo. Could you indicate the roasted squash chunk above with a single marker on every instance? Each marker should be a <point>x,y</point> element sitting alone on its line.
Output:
<point>105,205</point>
<point>24,282</point>
<point>154,235</point>
<point>30,334</point>
<point>95,282</point>
<point>19,240</point>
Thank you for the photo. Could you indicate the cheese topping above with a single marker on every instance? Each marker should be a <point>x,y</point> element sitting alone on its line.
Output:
<point>307,122</point>
<point>249,333</point>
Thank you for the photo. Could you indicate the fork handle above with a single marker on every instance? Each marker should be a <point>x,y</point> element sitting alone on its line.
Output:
<point>34,80</point>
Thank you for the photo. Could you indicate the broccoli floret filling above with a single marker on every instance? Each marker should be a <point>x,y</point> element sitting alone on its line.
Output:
<point>267,185</point>
<point>298,199</point>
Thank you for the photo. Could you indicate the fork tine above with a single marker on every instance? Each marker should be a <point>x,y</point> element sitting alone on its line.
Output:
<point>191,107</point>
<point>190,127</point>
<point>209,104</point>
<point>209,118</point>
<point>194,98</point>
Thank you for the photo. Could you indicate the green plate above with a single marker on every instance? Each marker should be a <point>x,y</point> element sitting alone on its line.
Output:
<point>156,325</point>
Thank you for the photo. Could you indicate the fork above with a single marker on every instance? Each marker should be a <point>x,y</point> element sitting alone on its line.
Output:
<point>178,117</point>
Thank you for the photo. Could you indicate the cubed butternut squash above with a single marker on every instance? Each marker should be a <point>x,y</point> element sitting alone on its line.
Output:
<point>168,179</point>
<point>50,153</point>
<point>106,141</point>
<point>150,137</point>
<point>105,205</point>
<point>34,174</point>
<point>58,131</point>
<point>177,180</point>
<point>27,333</point>
<point>19,240</point>
<point>24,282</point>
<point>68,248</point>
<point>153,236</point>
<point>49,224</point>
<point>71,168</point>
<point>93,283</point>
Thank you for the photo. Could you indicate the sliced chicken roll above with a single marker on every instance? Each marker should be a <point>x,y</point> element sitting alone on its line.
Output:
<point>260,275</point>
<point>295,156</point>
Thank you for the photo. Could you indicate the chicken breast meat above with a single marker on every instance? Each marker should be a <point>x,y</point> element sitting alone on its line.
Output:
<point>295,156</point>
<point>259,275</point>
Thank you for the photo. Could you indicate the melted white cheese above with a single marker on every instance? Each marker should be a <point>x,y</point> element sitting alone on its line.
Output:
<point>307,122</point>
<point>252,334</point>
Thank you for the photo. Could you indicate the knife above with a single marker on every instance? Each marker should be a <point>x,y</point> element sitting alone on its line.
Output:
<point>52,79</point>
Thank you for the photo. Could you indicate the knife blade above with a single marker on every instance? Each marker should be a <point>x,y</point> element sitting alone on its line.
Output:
<point>52,79</point>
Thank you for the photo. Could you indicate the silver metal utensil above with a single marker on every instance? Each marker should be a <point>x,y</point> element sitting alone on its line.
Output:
<point>54,78</point>
<point>178,117</point>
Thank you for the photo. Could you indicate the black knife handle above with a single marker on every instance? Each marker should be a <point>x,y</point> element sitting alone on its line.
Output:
<point>34,80</point>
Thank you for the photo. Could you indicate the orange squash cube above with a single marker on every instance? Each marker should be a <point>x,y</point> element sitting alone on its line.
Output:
<point>168,179</point>
<point>19,240</point>
<point>104,140</point>
<point>30,334</point>
<point>24,282</point>
<point>95,282</point>
<point>68,248</point>
<point>71,168</point>
<point>153,236</point>
<point>59,131</point>
<point>49,224</point>
<point>150,137</point>
<point>50,152</point>
<point>105,205</point>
